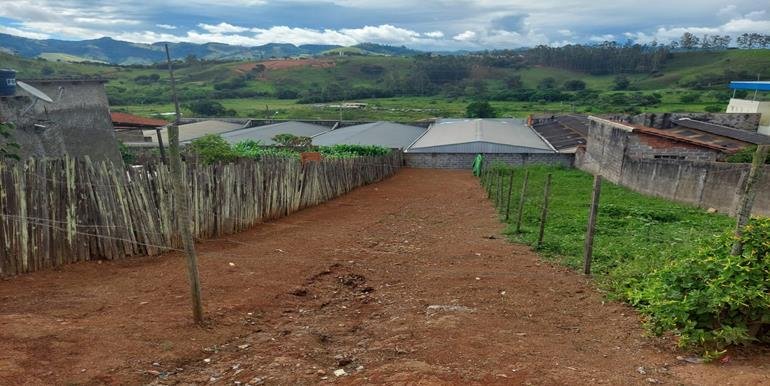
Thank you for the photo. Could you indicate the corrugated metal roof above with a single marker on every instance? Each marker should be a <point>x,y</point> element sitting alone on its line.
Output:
<point>724,131</point>
<point>130,120</point>
<point>563,131</point>
<point>480,136</point>
<point>265,134</point>
<point>191,131</point>
<point>387,134</point>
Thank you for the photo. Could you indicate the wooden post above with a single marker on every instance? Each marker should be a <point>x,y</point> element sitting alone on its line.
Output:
<point>182,203</point>
<point>499,196</point>
<point>508,198</point>
<point>544,213</point>
<point>161,147</point>
<point>522,199</point>
<point>747,197</point>
<point>588,247</point>
<point>490,178</point>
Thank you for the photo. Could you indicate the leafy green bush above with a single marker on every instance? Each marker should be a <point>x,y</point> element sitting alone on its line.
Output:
<point>348,151</point>
<point>8,148</point>
<point>212,148</point>
<point>745,155</point>
<point>710,298</point>
<point>255,149</point>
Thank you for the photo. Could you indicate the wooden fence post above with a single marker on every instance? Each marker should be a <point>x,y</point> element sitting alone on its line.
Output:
<point>183,204</point>
<point>508,197</point>
<point>522,199</point>
<point>747,197</point>
<point>490,178</point>
<point>544,213</point>
<point>588,248</point>
<point>499,196</point>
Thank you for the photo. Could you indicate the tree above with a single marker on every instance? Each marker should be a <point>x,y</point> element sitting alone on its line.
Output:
<point>8,148</point>
<point>208,108</point>
<point>688,41</point>
<point>480,109</point>
<point>47,71</point>
<point>547,83</point>
<point>574,85</point>
<point>621,83</point>
<point>513,82</point>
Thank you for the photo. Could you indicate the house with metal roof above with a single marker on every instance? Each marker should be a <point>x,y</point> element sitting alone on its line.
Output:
<point>191,131</point>
<point>386,134</point>
<point>480,136</point>
<point>265,134</point>
<point>453,143</point>
<point>753,105</point>
<point>564,132</point>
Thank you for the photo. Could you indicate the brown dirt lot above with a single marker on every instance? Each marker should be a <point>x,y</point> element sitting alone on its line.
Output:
<point>398,283</point>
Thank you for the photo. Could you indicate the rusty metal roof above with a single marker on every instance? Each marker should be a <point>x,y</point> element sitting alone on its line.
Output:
<point>563,131</point>
<point>724,131</point>
<point>695,137</point>
<point>135,121</point>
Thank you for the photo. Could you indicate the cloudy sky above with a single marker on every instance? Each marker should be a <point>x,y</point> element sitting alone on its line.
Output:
<point>425,24</point>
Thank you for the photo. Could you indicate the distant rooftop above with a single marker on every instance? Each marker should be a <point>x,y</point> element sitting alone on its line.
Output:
<point>124,120</point>
<point>387,134</point>
<point>265,134</point>
<point>480,136</point>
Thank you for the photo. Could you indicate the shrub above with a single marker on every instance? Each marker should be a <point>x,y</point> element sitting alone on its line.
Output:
<point>480,110</point>
<point>714,109</point>
<point>291,140</point>
<point>690,97</point>
<point>710,298</point>
<point>8,148</point>
<point>574,85</point>
<point>745,155</point>
<point>212,148</point>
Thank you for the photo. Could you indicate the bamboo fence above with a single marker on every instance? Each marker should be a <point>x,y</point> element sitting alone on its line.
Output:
<point>61,211</point>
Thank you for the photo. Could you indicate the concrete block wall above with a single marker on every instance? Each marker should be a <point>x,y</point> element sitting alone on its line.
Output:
<point>642,145</point>
<point>742,121</point>
<point>465,160</point>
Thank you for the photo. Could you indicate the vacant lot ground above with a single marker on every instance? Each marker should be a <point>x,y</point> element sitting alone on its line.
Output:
<point>406,281</point>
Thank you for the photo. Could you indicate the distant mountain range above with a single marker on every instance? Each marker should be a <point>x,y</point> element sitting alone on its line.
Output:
<point>113,51</point>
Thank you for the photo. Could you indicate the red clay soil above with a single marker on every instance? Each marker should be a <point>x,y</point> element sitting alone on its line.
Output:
<point>403,282</point>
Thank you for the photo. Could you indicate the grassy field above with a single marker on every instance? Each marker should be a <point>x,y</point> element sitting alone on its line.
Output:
<point>635,234</point>
<point>402,108</point>
<point>128,92</point>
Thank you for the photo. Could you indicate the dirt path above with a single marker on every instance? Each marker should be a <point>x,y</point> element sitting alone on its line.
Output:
<point>406,281</point>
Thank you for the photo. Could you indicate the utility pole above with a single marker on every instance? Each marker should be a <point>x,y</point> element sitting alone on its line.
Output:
<point>747,196</point>
<point>182,203</point>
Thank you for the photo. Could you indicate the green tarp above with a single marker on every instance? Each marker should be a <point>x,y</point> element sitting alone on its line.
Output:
<point>477,165</point>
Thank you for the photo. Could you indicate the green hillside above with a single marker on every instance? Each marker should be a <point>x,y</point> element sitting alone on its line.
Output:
<point>415,87</point>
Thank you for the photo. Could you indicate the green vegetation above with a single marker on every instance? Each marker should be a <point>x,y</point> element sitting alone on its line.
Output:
<point>420,87</point>
<point>8,148</point>
<point>480,109</point>
<point>213,148</point>
<point>670,260</point>
<point>745,155</point>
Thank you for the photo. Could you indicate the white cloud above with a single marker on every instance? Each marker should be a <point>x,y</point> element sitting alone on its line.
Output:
<point>434,34</point>
<point>385,33</point>
<point>23,33</point>
<point>222,28</point>
<point>165,26</point>
<point>465,36</point>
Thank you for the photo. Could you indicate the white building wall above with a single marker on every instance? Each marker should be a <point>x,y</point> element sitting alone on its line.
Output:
<point>747,106</point>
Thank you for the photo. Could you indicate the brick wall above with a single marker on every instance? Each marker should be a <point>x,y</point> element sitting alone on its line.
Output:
<point>742,121</point>
<point>698,182</point>
<point>465,160</point>
<point>641,145</point>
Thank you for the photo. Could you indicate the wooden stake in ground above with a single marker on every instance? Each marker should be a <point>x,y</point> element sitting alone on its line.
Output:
<point>182,203</point>
<point>544,213</point>
<point>499,197</point>
<point>522,199</point>
<point>747,196</point>
<point>508,198</point>
<point>588,248</point>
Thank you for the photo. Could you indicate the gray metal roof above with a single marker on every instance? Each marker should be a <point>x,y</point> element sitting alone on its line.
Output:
<point>387,134</point>
<point>265,134</point>
<point>480,136</point>
<point>191,131</point>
